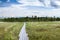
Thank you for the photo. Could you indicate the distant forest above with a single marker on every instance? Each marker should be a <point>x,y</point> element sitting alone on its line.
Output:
<point>30,19</point>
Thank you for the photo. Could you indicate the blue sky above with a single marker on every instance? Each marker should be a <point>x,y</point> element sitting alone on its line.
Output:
<point>28,8</point>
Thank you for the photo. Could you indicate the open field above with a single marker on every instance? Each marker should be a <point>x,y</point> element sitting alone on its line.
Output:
<point>43,30</point>
<point>10,30</point>
<point>35,30</point>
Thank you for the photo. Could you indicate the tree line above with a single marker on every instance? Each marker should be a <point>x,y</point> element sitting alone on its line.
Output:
<point>27,19</point>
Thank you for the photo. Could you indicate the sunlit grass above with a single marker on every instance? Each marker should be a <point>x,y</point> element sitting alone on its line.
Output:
<point>10,30</point>
<point>43,30</point>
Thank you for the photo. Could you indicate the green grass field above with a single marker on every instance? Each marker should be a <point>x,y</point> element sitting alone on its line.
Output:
<point>10,30</point>
<point>35,30</point>
<point>43,30</point>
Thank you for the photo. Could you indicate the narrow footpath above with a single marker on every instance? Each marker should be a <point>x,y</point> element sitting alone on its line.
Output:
<point>23,35</point>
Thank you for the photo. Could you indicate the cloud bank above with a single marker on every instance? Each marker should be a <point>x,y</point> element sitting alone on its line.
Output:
<point>29,8</point>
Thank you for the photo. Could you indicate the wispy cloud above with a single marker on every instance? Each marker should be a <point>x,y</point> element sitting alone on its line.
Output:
<point>29,10</point>
<point>19,10</point>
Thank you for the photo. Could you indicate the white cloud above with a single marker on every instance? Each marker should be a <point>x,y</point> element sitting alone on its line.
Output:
<point>23,10</point>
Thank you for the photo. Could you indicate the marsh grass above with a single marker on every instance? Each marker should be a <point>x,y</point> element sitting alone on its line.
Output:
<point>10,30</point>
<point>43,30</point>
